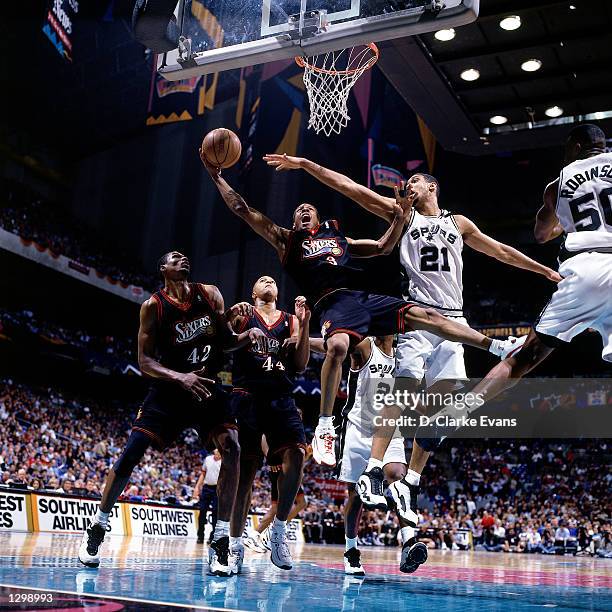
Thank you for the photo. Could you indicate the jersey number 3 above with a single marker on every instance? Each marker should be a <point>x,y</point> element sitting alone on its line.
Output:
<point>429,259</point>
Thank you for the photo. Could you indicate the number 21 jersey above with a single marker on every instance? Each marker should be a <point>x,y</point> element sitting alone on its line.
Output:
<point>431,254</point>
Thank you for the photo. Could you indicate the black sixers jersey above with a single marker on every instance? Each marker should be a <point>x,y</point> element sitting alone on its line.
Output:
<point>318,260</point>
<point>189,335</point>
<point>269,370</point>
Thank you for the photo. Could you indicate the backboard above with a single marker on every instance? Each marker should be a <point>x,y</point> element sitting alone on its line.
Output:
<point>219,35</point>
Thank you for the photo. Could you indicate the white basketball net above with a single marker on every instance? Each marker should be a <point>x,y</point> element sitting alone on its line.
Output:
<point>329,79</point>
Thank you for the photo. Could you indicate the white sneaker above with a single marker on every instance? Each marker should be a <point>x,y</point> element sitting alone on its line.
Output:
<point>371,491</point>
<point>253,542</point>
<point>279,550</point>
<point>264,538</point>
<point>323,451</point>
<point>236,558</point>
<point>405,498</point>
<point>218,557</point>
<point>89,550</point>
<point>511,346</point>
<point>352,562</point>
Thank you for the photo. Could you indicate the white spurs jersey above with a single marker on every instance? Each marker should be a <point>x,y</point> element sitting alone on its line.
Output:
<point>375,376</point>
<point>584,203</point>
<point>430,253</point>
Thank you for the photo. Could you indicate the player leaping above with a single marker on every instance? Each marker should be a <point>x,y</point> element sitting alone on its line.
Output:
<point>431,255</point>
<point>319,257</point>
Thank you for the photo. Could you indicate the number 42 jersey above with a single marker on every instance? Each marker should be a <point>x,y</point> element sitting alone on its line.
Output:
<point>431,255</point>
<point>268,370</point>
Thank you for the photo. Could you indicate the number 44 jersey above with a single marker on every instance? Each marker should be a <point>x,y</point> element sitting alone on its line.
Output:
<point>268,367</point>
<point>430,253</point>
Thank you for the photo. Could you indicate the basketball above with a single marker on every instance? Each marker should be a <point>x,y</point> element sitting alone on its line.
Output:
<point>221,147</point>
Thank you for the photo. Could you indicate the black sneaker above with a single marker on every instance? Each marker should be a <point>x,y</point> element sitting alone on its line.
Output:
<point>218,557</point>
<point>352,562</point>
<point>89,550</point>
<point>414,554</point>
<point>371,489</point>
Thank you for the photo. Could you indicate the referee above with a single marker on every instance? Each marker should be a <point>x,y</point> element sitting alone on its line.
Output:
<point>206,490</point>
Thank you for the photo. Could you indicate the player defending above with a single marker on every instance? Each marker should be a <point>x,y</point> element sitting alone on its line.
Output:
<point>372,371</point>
<point>431,256</point>
<point>183,333</point>
<point>319,257</point>
<point>579,205</point>
<point>263,401</point>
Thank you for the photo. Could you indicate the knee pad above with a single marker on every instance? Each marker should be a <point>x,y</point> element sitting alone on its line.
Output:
<point>136,446</point>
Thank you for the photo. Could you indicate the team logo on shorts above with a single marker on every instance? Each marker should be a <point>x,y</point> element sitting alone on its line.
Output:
<point>318,247</point>
<point>325,327</point>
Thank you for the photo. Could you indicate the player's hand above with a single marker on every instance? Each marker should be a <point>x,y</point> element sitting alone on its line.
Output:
<point>214,171</point>
<point>403,202</point>
<point>302,312</point>
<point>282,162</point>
<point>553,275</point>
<point>288,344</point>
<point>195,383</point>
<point>258,339</point>
<point>241,309</point>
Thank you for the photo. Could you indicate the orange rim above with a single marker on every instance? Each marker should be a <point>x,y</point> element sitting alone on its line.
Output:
<point>302,63</point>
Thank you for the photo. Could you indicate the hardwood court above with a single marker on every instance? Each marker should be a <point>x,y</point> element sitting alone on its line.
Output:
<point>173,571</point>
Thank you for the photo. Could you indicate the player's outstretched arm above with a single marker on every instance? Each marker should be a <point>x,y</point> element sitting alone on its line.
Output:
<point>547,226</point>
<point>302,348</point>
<point>366,198</point>
<point>233,341</point>
<point>402,208</point>
<point>479,241</point>
<point>148,364</point>
<point>277,236</point>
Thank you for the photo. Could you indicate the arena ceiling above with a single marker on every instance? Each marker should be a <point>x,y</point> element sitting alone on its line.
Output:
<point>568,77</point>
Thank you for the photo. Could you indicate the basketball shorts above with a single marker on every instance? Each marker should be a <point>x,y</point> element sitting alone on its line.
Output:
<point>421,354</point>
<point>356,448</point>
<point>275,417</point>
<point>169,410</point>
<point>360,314</point>
<point>582,300</point>
<point>274,472</point>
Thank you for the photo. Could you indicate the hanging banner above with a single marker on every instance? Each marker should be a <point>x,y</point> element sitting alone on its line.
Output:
<point>59,25</point>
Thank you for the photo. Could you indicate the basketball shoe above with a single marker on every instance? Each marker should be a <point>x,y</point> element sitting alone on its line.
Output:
<point>323,451</point>
<point>89,550</point>
<point>352,562</point>
<point>236,558</point>
<point>218,557</point>
<point>371,489</point>
<point>279,550</point>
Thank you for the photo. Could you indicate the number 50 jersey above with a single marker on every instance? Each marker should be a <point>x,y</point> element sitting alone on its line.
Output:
<point>584,205</point>
<point>269,370</point>
<point>431,254</point>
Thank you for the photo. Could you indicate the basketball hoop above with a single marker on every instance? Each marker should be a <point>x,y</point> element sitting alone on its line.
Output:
<point>329,78</point>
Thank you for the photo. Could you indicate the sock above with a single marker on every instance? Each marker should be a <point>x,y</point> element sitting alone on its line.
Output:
<point>407,533</point>
<point>233,542</point>
<point>101,518</point>
<point>350,543</point>
<point>413,478</point>
<point>326,421</point>
<point>372,463</point>
<point>279,526</point>
<point>221,530</point>
<point>496,347</point>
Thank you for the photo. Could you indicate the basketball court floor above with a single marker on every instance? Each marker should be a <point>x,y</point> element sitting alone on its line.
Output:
<point>140,573</point>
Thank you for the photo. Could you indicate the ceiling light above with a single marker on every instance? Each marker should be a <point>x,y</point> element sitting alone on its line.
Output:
<point>510,23</point>
<point>470,74</point>
<point>498,120</point>
<point>531,65</point>
<point>445,35</point>
<point>554,111</point>
<point>572,7</point>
